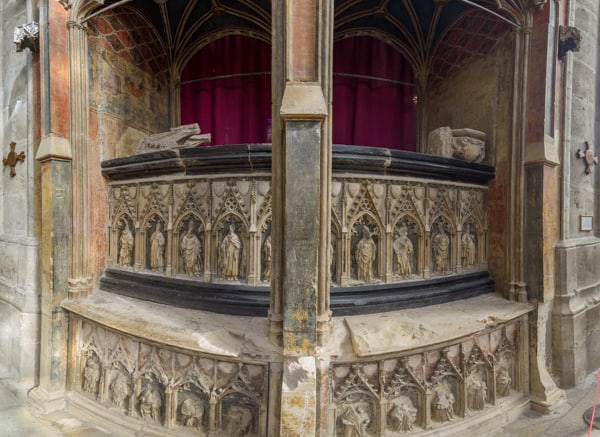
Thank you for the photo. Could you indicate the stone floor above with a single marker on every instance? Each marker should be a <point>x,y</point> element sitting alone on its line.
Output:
<point>18,419</point>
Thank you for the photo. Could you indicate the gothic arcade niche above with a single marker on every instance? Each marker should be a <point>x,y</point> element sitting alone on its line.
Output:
<point>412,393</point>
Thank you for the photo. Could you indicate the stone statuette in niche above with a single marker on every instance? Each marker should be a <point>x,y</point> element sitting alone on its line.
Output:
<point>365,253</point>
<point>267,257</point>
<point>177,138</point>
<point>468,249</point>
<point>119,389</point>
<point>191,251</point>
<point>91,376</point>
<point>238,421</point>
<point>192,412</point>
<point>402,414</point>
<point>355,420</point>
<point>151,401</point>
<point>465,144</point>
<point>441,244</point>
<point>157,249</point>
<point>404,251</point>
<point>442,408</point>
<point>126,243</point>
<point>229,252</point>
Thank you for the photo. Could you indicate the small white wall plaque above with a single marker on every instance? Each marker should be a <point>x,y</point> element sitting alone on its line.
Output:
<point>586,222</point>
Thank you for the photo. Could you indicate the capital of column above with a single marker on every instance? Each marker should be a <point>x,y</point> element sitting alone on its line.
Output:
<point>303,101</point>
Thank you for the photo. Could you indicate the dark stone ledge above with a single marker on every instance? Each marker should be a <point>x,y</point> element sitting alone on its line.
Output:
<point>248,158</point>
<point>242,300</point>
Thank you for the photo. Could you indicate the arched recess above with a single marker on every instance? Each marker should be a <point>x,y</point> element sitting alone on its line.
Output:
<point>226,89</point>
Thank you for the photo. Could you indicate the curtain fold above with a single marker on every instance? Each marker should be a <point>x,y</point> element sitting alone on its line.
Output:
<point>368,111</point>
<point>234,109</point>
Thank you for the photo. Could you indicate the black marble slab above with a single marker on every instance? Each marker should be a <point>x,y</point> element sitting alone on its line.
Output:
<point>242,300</point>
<point>248,158</point>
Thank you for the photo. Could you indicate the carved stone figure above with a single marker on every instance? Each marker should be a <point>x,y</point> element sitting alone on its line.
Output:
<point>267,254</point>
<point>403,248</point>
<point>476,391</point>
<point>151,402</point>
<point>468,249</point>
<point>91,376</point>
<point>157,249</point>
<point>503,381</point>
<point>402,415</point>
<point>355,421</point>
<point>192,412</point>
<point>230,254</point>
<point>126,243</point>
<point>443,403</point>
<point>441,244</point>
<point>238,421</point>
<point>119,389</point>
<point>466,144</point>
<point>178,137</point>
<point>190,249</point>
<point>365,253</point>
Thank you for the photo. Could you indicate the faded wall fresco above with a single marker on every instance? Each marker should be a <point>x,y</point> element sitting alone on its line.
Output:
<point>129,99</point>
<point>128,81</point>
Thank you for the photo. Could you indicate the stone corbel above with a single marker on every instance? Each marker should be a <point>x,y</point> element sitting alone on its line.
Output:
<point>27,36</point>
<point>569,39</point>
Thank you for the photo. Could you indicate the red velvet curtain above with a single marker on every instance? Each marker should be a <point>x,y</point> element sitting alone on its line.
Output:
<point>233,109</point>
<point>369,112</point>
<point>237,108</point>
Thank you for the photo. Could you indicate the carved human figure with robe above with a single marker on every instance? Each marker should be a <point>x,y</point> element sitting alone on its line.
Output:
<point>365,253</point>
<point>476,391</point>
<point>126,245</point>
<point>157,249</point>
<point>192,412</point>
<point>402,415</point>
<point>230,249</point>
<point>355,421</point>
<point>91,376</point>
<point>267,256</point>
<point>190,249</point>
<point>151,402</point>
<point>120,389</point>
<point>239,421</point>
<point>441,245</point>
<point>403,248</point>
<point>468,248</point>
<point>443,402</point>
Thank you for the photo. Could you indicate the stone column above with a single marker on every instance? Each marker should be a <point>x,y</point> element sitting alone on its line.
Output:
<point>54,155</point>
<point>541,210</point>
<point>301,181</point>
<point>80,280</point>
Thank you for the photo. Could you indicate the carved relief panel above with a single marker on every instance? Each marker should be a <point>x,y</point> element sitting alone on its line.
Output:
<point>216,229</point>
<point>170,388</point>
<point>408,394</point>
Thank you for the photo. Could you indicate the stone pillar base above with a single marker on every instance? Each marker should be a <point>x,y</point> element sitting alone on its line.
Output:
<point>45,402</point>
<point>299,397</point>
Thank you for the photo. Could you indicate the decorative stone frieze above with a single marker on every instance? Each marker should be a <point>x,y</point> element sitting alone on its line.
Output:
<point>216,229</point>
<point>430,389</point>
<point>169,388</point>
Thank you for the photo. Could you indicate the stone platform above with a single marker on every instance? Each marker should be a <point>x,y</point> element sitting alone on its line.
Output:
<point>209,370</point>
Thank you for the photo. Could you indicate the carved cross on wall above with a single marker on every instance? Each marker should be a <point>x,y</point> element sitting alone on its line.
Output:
<point>12,158</point>
<point>588,157</point>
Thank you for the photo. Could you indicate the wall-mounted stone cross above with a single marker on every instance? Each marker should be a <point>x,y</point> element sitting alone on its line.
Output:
<point>588,157</point>
<point>12,158</point>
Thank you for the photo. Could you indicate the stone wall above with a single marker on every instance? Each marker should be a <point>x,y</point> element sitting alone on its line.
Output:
<point>478,96</point>
<point>19,305</point>
<point>129,99</point>
<point>575,334</point>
